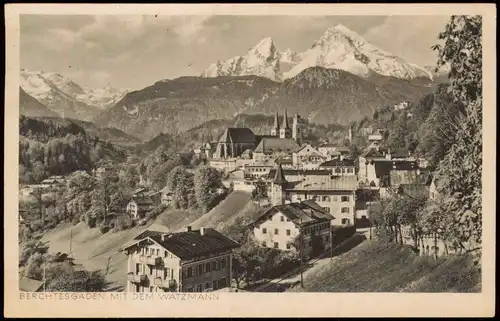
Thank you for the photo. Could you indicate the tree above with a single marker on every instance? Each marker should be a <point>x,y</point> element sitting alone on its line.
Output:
<point>260,191</point>
<point>181,183</point>
<point>62,277</point>
<point>460,171</point>
<point>207,184</point>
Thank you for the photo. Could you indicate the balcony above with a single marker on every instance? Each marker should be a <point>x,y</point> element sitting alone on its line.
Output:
<point>136,278</point>
<point>157,261</point>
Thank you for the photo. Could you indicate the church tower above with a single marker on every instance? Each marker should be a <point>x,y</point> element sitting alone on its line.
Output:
<point>297,133</point>
<point>275,131</point>
<point>285,130</point>
<point>277,187</point>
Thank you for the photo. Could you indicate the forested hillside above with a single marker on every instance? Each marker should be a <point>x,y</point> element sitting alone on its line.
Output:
<point>55,146</point>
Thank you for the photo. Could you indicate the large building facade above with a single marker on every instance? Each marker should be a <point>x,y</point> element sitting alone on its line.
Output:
<point>190,261</point>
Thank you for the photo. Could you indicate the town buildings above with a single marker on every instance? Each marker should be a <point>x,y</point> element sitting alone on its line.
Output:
<point>138,206</point>
<point>334,193</point>
<point>290,226</point>
<point>189,261</point>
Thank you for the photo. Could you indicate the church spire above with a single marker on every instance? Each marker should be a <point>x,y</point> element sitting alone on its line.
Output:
<point>276,123</point>
<point>279,177</point>
<point>285,121</point>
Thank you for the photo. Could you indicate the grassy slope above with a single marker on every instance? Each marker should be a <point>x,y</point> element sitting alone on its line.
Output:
<point>237,204</point>
<point>93,249</point>
<point>379,267</point>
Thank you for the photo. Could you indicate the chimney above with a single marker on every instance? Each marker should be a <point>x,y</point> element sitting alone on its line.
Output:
<point>202,231</point>
<point>188,228</point>
<point>163,237</point>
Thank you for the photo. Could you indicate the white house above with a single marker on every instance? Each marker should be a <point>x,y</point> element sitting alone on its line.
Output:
<point>284,226</point>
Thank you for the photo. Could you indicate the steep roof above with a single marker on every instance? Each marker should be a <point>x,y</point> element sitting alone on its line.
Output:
<point>29,285</point>
<point>285,121</point>
<point>143,200</point>
<point>404,177</point>
<point>338,162</point>
<point>238,135</point>
<point>325,183</point>
<point>385,166</point>
<point>299,172</point>
<point>276,122</point>
<point>186,245</point>
<point>400,153</point>
<point>284,160</point>
<point>279,177</point>
<point>276,144</point>
<point>305,212</point>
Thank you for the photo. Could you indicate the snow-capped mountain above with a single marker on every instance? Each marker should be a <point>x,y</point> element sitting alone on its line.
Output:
<point>261,60</point>
<point>342,48</point>
<point>65,97</point>
<point>338,48</point>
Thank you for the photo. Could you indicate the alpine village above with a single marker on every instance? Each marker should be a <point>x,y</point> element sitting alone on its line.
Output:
<point>325,181</point>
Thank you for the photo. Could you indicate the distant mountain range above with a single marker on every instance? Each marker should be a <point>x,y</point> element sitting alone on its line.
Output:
<point>65,97</point>
<point>338,48</point>
<point>340,79</point>
<point>319,94</point>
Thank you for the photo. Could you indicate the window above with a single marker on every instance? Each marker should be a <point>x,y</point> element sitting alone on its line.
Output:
<point>287,219</point>
<point>264,230</point>
<point>200,269</point>
<point>288,246</point>
<point>344,210</point>
<point>199,288</point>
<point>214,285</point>
<point>222,283</point>
<point>344,199</point>
<point>326,199</point>
<point>207,267</point>
<point>137,268</point>
<point>345,221</point>
<point>157,252</point>
<point>327,209</point>
<point>363,217</point>
<point>350,170</point>
<point>288,232</point>
<point>150,269</point>
<point>166,272</point>
<point>166,254</point>
<point>264,244</point>
<point>214,266</point>
<point>223,263</point>
<point>275,231</point>
<point>217,265</point>
<point>276,245</point>
<point>282,218</point>
<point>189,272</point>
<point>207,285</point>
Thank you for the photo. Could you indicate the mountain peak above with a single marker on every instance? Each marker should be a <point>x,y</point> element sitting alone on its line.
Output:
<point>264,47</point>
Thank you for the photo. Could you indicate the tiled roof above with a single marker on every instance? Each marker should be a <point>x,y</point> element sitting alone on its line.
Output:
<point>29,285</point>
<point>299,172</point>
<point>338,162</point>
<point>276,144</point>
<point>238,135</point>
<point>284,160</point>
<point>143,201</point>
<point>325,183</point>
<point>191,244</point>
<point>304,212</point>
<point>400,153</point>
<point>384,166</point>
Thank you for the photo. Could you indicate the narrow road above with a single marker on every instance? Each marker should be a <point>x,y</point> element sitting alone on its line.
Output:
<point>293,277</point>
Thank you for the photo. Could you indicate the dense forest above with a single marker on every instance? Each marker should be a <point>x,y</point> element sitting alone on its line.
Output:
<point>55,146</point>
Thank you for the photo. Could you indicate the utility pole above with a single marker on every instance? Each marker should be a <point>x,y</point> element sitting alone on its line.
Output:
<point>70,238</point>
<point>44,279</point>
<point>370,215</point>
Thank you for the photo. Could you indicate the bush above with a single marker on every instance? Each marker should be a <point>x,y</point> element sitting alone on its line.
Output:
<point>341,233</point>
<point>75,220</point>
<point>36,225</point>
<point>123,222</point>
<point>155,212</point>
<point>103,228</point>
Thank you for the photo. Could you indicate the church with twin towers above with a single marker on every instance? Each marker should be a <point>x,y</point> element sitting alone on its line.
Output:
<point>241,142</point>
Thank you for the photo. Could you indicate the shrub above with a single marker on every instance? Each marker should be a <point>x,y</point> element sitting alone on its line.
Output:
<point>123,222</point>
<point>341,233</point>
<point>155,212</point>
<point>75,220</point>
<point>103,228</point>
<point>36,225</point>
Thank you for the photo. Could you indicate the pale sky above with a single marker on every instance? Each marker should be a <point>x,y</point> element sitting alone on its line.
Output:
<point>136,51</point>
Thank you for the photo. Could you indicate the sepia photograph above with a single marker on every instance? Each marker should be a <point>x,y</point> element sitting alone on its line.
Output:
<point>211,153</point>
